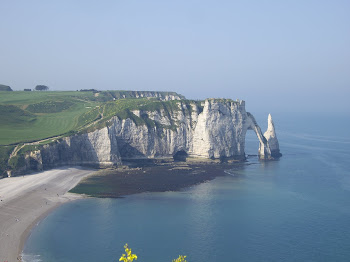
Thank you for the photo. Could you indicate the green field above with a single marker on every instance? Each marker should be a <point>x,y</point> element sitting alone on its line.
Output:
<point>29,116</point>
<point>32,116</point>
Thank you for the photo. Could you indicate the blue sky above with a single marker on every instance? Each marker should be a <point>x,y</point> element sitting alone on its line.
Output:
<point>274,54</point>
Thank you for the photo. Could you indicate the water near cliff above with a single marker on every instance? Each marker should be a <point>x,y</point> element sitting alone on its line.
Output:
<point>295,209</point>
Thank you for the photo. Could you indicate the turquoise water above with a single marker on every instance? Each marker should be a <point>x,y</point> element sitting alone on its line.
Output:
<point>295,209</point>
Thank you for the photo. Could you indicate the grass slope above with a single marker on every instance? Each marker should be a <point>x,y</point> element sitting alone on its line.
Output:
<point>32,116</point>
<point>29,116</point>
<point>123,109</point>
<point>15,116</point>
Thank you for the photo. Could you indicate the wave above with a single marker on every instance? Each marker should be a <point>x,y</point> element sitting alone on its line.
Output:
<point>229,172</point>
<point>31,258</point>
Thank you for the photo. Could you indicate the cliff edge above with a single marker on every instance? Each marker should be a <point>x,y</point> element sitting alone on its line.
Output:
<point>147,129</point>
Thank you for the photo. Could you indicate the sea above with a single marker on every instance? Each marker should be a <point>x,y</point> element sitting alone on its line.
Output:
<point>293,209</point>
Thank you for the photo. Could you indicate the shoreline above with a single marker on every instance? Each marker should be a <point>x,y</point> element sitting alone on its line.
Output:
<point>25,235</point>
<point>26,200</point>
<point>53,187</point>
<point>140,177</point>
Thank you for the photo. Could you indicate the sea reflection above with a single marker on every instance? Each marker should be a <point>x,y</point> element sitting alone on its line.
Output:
<point>202,215</point>
<point>294,209</point>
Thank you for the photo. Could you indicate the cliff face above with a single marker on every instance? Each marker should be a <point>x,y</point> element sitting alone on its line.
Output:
<point>96,149</point>
<point>220,131</point>
<point>172,132</point>
<point>214,129</point>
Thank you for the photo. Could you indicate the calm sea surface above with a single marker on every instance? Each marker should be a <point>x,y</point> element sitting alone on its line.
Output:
<point>294,209</point>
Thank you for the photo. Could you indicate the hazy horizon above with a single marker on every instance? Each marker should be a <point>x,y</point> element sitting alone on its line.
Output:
<point>283,56</point>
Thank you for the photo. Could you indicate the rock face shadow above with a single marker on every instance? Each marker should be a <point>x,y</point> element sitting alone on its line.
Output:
<point>77,151</point>
<point>128,151</point>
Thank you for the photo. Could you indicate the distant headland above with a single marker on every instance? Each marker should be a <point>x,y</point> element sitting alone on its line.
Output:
<point>43,130</point>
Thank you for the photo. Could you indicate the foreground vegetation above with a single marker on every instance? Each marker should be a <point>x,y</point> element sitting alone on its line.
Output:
<point>129,257</point>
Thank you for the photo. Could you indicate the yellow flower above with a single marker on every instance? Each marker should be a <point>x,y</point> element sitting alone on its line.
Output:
<point>180,259</point>
<point>128,257</point>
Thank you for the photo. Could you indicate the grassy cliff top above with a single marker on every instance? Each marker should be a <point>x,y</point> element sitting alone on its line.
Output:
<point>126,108</point>
<point>120,94</point>
<point>32,116</point>
<point>23,97</point>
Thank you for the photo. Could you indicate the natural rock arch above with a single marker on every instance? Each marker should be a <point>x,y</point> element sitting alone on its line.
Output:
<point>268,143</point>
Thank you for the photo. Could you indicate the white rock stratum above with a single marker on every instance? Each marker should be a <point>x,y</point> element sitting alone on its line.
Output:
<point>214,129</point>
<point>271,138</point>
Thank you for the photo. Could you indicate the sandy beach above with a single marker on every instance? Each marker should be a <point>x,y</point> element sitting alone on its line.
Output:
<point>27,199</point>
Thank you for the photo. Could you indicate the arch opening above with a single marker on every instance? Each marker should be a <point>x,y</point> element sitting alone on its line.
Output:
<point>264,151</point>
<point>251,144</point>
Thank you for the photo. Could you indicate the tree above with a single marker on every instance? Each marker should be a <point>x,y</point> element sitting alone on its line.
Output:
<point>41,88</point>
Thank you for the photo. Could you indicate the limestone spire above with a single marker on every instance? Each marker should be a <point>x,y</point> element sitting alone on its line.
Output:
<point>270,128</point>
<point>271,138</point>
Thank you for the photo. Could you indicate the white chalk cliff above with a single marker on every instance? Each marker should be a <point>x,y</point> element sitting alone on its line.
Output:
<point>216,128</point>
